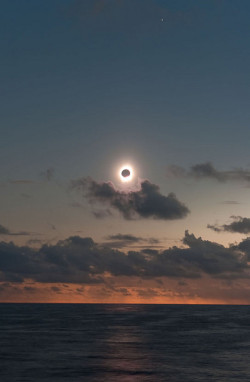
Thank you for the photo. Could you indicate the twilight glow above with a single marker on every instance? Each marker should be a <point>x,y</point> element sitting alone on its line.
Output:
<point>124,170</point>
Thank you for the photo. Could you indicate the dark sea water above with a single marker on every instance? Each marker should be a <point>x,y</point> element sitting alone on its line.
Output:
<point>124,343</point>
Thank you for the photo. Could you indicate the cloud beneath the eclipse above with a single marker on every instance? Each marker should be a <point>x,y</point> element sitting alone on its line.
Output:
<point>208,171</point>
<point>81,260</point>
<point>146,202</point>
<point>238,225</point>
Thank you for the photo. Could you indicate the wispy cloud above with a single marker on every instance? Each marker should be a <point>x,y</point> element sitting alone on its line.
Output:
<point>239,225</point>
<point>6,231</point>
<point>208,171</point>
<point>125,240</point>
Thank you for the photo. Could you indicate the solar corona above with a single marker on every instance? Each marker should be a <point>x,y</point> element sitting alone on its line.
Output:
<point>126,173</point>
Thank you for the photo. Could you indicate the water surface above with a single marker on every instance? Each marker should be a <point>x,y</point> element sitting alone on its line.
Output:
<point>124,343</point>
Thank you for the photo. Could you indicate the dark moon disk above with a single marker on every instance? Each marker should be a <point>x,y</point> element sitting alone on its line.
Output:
<point>125,173</point>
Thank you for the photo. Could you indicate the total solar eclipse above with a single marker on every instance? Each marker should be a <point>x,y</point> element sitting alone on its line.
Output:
<point>126,173</point>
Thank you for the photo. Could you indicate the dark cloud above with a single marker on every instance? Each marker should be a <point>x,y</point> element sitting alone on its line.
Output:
<point>56,289</point>
<point>244,246</point>
<point>213,258</point>
<point>80,290</point>
<point>30,289</point>
<point>6,231</point>
<point>147,202</point>
<point>124,240</point>
<point>215,227</point>
<point>126,237</point>
<point>208,171</point>
<point>55,263</point>
<point>81,260</point>
<point>121,290</point>
<point>239,225</point>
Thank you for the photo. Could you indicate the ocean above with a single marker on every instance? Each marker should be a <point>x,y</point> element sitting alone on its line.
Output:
<point>124,343</point>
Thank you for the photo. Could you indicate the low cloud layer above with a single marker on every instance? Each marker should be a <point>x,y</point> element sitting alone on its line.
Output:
<point>239,225</point>
<point>147,202</point>
<point>208,171</point>
<point>81,260</point>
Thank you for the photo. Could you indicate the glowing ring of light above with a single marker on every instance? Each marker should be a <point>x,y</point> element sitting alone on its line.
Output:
<point>127,178</point>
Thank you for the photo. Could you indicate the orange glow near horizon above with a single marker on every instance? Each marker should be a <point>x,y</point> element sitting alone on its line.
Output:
<point>29,292</point>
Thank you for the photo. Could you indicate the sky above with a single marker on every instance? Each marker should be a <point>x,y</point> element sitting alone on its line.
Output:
<point>89,87</point>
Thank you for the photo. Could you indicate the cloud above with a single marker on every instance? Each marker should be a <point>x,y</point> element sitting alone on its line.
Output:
<point>30,289</point>
<point>208,171</point>
<point>81,260</point>
<point>6,231</point>
<point>124,240</point>
<point>147,202</point>
<point>34,242</point>
<point>147,293</point>
<point>56,289</point>
<point>126,237</point>
<point>49,263</point>
<point>244,246</point>
<point>239,225</point>
<point>213,258</point>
